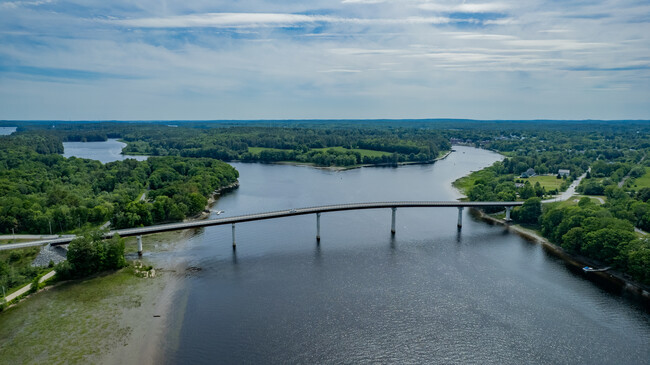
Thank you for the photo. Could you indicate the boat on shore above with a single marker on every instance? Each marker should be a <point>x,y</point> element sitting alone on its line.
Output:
<point>591,269</point>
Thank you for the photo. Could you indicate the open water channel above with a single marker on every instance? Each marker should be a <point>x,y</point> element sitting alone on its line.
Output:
<point>430,294</point>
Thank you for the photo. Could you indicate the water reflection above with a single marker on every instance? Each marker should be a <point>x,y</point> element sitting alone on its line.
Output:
<point>478,295</point>
<point>105,152</point>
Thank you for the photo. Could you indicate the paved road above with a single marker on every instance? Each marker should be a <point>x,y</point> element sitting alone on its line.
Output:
<point>569,192</point>
<point>620,184</point>
<point>28,236</point>
<point>271,215</point>
<point>26,288</point>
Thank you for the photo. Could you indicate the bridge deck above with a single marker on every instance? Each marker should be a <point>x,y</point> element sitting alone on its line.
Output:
<point>278,214</point>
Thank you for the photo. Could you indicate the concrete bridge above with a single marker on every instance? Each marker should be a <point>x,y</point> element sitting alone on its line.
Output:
<point>139,232</point>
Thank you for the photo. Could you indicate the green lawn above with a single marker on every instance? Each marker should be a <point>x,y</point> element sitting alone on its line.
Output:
<point>643,181</point>
<point>93,316</point>
<point>468,181</point>
<point>546,181</point>
<point>257,150</point>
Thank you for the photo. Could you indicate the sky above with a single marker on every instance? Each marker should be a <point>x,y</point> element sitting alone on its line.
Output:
<point>315,59</point>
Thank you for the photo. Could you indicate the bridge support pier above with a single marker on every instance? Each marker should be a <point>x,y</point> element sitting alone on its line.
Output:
<point>508,209</point>
<point>392,222</point>
<point>140,246</point>
<point>318,227</point>
<point>460,217</point>
<point>234,245</point>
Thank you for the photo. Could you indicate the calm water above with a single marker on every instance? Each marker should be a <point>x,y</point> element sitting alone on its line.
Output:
<point>104,152</point>
<point>430,294</point>
<point>5,131</point>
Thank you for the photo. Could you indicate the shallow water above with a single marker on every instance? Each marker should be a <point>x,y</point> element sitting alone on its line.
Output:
<point>431,293</point>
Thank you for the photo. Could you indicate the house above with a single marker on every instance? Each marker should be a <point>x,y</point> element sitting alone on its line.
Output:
<point>563,172</point>
<point>529,173</point>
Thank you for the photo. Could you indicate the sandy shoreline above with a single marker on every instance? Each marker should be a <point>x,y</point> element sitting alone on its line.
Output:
<point>156,326</point>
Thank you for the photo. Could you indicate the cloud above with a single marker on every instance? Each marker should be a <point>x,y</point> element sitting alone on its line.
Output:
<point>465,7</point>
<point>17,4</point>
<point>317,59</point>
<point>253,20</point>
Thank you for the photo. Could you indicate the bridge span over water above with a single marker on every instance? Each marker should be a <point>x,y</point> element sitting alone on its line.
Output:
<point>140,231</point>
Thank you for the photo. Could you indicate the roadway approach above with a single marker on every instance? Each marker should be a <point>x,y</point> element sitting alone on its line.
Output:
<point>140,231</point>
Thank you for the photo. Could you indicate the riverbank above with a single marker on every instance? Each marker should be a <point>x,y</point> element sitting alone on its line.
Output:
<point>213,199</point>
<point>110,318</point>
<point>610,278</point>
<point>345,168</point>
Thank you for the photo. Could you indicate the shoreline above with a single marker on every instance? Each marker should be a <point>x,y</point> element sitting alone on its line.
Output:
<point>345,168</point>
<point>610,278</point>
<point>333,168</point>
<point>147,340</point>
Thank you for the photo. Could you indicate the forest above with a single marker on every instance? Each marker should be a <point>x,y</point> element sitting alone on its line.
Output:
<point>309,143</point>
<point>43,192</point>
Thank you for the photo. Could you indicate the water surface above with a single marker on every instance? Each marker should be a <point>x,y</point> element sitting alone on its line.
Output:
<point>5,131</point>
<point>429,294</point>
<point>107,151</point>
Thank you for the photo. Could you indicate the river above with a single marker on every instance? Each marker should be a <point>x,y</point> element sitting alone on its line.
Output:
<point>5,131</point>
<point>107,151</point>
<point>430,294</point>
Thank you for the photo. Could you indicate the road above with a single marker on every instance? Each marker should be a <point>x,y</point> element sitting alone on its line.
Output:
<point>569,192</point>
<point>622,182</point>
<point>271,215</point>
<point>28,236</point>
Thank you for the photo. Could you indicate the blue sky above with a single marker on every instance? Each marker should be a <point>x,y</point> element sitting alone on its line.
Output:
<point>256,59</point>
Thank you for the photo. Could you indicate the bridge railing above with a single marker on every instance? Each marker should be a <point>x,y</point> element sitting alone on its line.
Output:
<point>139,231</point>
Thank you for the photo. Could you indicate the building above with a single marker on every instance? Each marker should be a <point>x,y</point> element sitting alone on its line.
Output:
<point>529,173</point>
<point>563,172</point>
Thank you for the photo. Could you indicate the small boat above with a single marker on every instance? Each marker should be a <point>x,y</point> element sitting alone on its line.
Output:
<point>591,269</point>
<point>217,212</point>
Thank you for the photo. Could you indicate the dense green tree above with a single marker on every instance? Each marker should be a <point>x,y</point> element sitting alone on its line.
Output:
<point>90,253</point>
<point>529,212</point>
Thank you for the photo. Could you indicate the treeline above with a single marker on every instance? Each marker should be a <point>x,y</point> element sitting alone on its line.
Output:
<point>604,233</point>
<point>604,174</point>
<point>44,192</point>
<point>290,144</point>
<point>302,143</point>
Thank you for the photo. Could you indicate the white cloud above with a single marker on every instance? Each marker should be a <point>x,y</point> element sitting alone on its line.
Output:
<point>339,70</point>
<point>17,4</point>
<point>465,7</point>
<point>252,20</point>
<point>395,58</point>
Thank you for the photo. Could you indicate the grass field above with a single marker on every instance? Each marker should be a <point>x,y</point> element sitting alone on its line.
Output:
<point>257,150</point>
<point>75,322</point>
<point>466,182</point>
<point>546,181</point>
<point>643,181</point>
